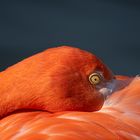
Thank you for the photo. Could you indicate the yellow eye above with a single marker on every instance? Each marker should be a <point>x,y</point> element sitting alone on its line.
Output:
<point>95,78</point>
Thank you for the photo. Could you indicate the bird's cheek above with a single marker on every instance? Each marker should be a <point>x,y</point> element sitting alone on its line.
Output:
<point>97,100</point>
<point>100,100</point>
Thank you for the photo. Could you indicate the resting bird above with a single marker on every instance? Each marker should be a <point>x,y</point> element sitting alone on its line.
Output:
<point>65,93</point>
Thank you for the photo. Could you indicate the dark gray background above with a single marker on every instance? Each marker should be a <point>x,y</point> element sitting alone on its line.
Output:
<point>108,28</point>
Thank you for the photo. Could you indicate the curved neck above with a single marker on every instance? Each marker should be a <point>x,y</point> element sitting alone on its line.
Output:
<point>8,99</point>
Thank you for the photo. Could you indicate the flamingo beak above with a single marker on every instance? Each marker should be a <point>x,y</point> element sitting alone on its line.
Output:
<point>112,86</point>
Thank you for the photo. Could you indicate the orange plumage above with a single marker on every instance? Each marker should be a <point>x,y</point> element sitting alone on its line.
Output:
<point>40,97</point>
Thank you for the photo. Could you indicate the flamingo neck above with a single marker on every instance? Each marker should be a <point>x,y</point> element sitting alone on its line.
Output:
<point>9,101</point>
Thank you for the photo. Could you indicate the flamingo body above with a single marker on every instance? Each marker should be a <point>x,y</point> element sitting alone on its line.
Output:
<point>119,117</point>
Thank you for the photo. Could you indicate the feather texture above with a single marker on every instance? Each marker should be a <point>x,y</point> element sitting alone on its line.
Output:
<point>23,88</point>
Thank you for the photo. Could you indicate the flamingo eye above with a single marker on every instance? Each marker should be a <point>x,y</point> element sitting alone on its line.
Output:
<point>95,78</point>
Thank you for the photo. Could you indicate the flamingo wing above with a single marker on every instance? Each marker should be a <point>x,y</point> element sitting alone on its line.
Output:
<point>118,119</point>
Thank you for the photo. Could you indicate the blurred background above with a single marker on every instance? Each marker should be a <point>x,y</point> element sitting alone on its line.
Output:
<point>108,28</point>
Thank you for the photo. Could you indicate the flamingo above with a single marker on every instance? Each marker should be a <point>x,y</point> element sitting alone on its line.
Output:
<point>65,93</point>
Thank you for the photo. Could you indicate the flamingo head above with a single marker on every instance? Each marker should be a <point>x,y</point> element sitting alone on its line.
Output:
<point>73,80</point>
